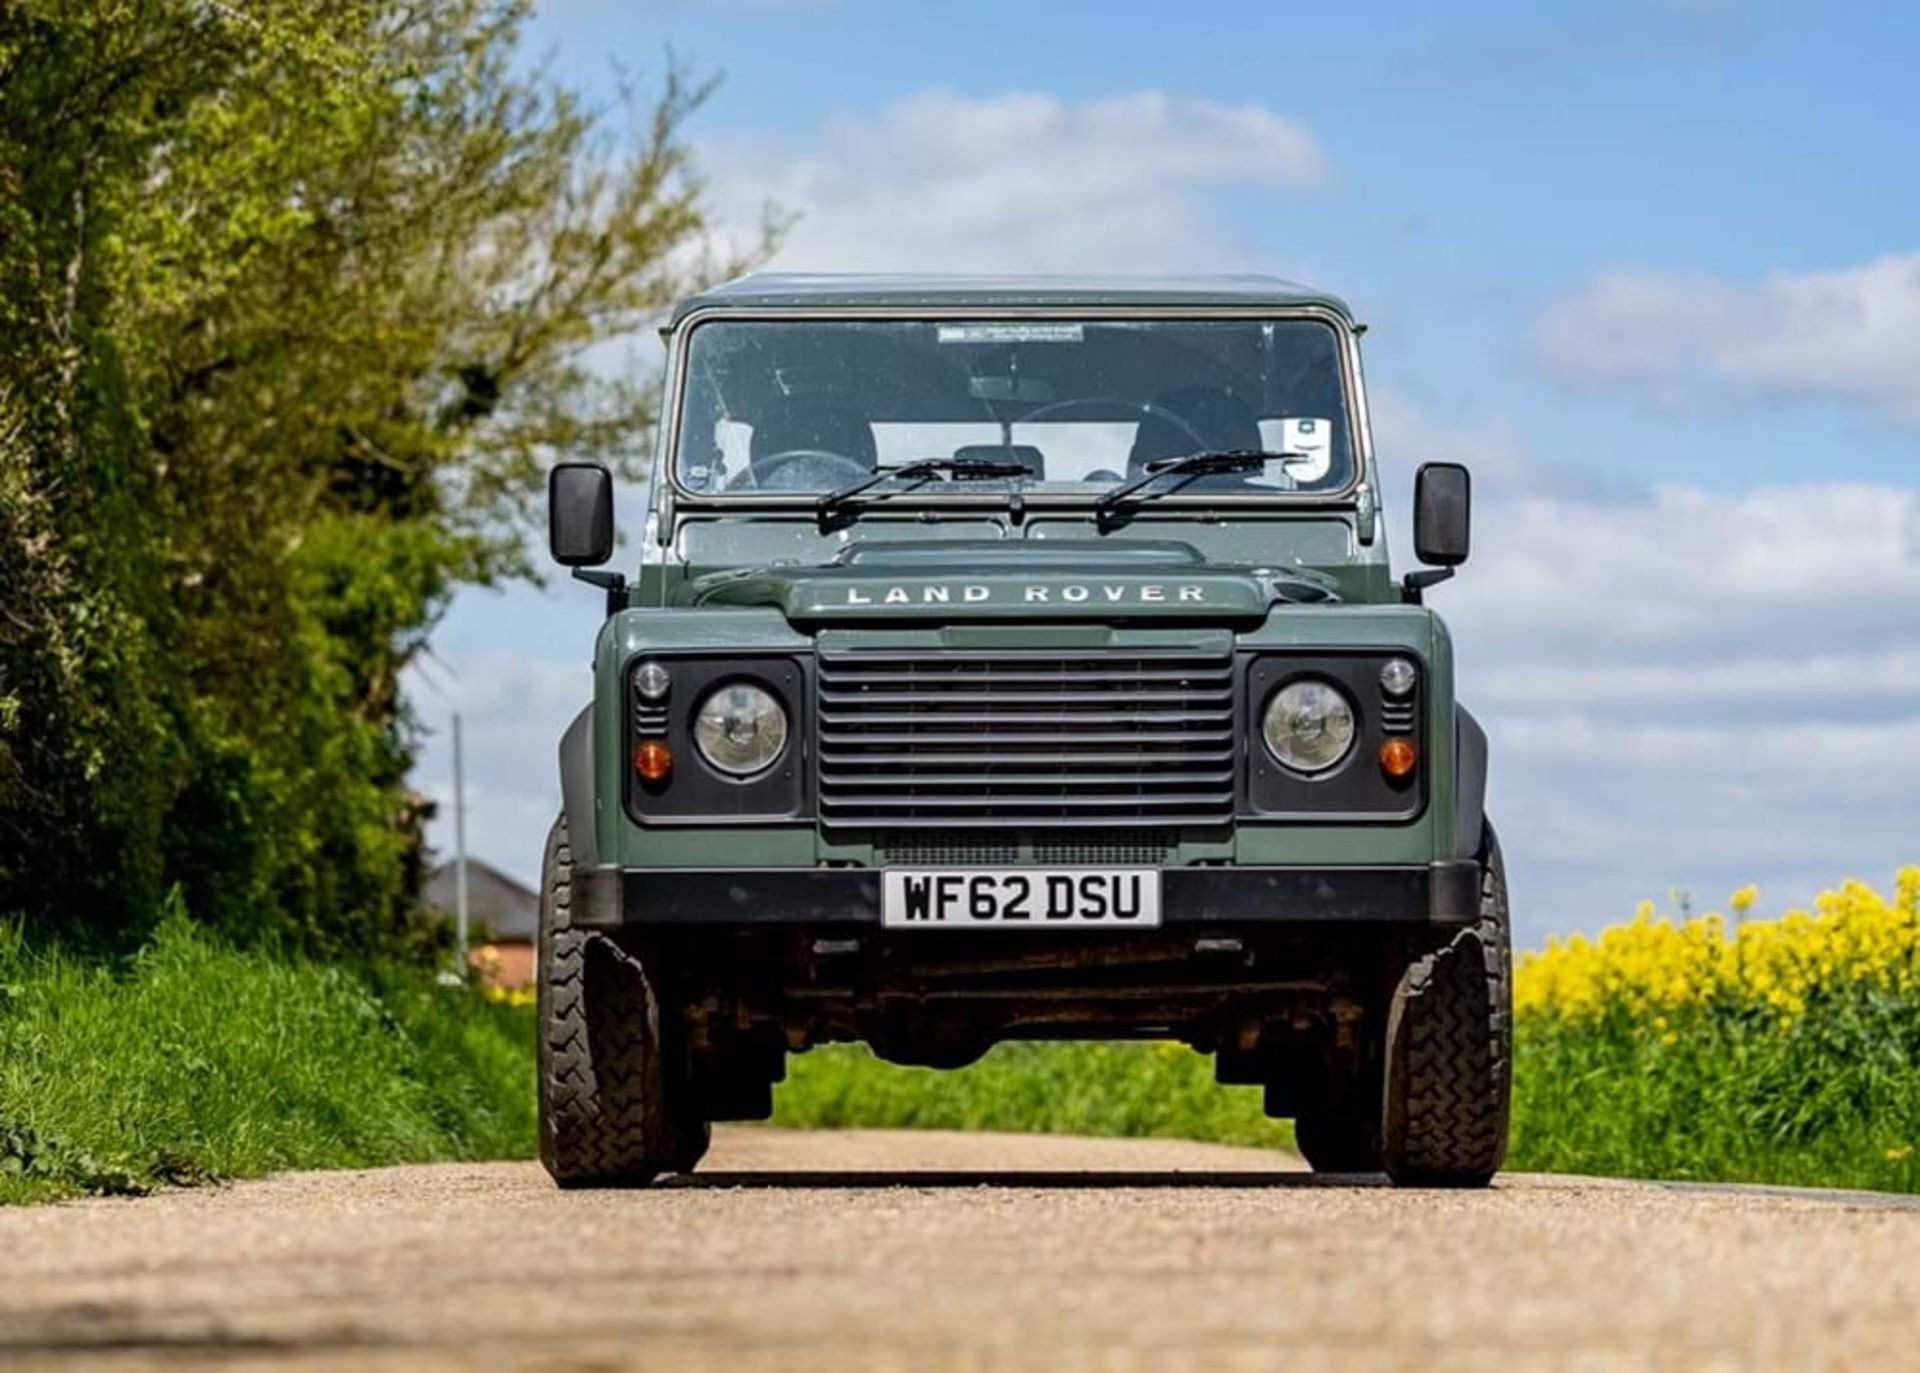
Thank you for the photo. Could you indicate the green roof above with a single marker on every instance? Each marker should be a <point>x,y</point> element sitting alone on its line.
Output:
<point>828,290</point>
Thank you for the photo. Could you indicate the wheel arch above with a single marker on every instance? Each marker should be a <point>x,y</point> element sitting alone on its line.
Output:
<point>1469,783</point>
<point>576,789</point>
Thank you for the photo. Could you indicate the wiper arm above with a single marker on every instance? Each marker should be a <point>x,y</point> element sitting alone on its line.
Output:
<point>830,503</point>
<point>1206,462</point>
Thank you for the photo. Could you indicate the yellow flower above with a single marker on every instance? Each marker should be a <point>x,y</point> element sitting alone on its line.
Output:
<point>1657,967</point>
<point>1903,1151</point>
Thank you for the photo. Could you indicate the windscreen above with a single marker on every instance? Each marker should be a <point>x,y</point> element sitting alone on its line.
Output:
<point>1079,406</point>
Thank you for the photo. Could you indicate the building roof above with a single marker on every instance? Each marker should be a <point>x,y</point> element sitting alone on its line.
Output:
<point>831,290</point>
<point>508,910</point>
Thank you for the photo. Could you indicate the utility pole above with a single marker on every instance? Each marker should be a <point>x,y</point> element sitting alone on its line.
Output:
<point>459,851</point>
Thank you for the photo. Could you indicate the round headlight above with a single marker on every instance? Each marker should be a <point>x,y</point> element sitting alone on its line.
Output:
<point>1308,725</point>
<point>740,729</point>
<point>1397,676</point>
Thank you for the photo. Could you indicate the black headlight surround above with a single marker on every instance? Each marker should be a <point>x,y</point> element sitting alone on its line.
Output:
<point>1354,789</point>
<point>698,793</point>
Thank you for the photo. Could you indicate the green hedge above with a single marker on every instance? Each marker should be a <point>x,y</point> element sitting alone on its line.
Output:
<point>1074,1089</point>
<point>193,1060</point>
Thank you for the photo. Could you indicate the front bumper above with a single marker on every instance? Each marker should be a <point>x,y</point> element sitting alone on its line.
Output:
<point>1432,894</point>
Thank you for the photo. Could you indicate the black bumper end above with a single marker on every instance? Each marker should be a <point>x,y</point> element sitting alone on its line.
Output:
<point>1436,894</point>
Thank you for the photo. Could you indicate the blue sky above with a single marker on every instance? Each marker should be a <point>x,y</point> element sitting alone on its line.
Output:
<point>1653,268</point>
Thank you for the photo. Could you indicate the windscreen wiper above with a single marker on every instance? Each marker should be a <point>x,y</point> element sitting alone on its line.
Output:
<point>831,503</point>
<point>1207,462</point>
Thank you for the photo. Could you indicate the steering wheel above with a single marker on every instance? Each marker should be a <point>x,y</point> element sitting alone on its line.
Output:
<point>758,469</point>
<point>1145,407</point>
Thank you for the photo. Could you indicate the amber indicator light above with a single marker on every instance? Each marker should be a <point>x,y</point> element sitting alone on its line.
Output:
<point>653,761</point>
<point>1397,757</point>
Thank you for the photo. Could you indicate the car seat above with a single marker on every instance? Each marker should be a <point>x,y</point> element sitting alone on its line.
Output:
<point>1220,419</point>
<point>820,423</point>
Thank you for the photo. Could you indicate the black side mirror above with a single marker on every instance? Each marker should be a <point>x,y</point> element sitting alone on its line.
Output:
<point>1442,523</point>
<point>580,526</point>
<point>580,514</point>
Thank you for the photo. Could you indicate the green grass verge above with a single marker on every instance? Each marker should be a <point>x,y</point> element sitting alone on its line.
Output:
<point>1831,1099</point>
<point>1830,1103</point>
<point>1080,1089</point>
<point>195,1061</point>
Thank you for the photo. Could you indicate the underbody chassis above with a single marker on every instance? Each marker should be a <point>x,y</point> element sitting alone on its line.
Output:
<point>672,998</point>
<point>1279,972</point>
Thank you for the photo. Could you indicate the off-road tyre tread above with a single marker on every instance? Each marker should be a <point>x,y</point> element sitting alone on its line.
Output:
<point>607,1114</point>
<point>1449,1068</point>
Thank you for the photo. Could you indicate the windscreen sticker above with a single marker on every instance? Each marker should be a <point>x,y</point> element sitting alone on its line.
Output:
<point>1010,333</point>
<point>1312,439</point>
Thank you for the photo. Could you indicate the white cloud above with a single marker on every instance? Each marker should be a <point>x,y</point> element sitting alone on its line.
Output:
<point>1015,182</point>
<point>1891,674</point>
<point>1682,570</point>
<point>1682,688</point>
<point>1786,749</point>
<point>1850,334</point>
<point>1504,465</point>
<point>1576,565</point>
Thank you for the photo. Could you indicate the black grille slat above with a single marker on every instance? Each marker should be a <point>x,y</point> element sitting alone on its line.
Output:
<point>996,677</point>
<point>1004,801</point>
<point>1008,777</point>
<point>922,663</point>
<point>962,740</point>
<point>1068,696</point>
<point>1156,716</point>
<point>933,757</point>
<point>1157,737</point>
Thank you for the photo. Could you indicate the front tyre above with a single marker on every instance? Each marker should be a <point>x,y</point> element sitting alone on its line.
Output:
<point>1449,1051</point>
<point>612,1101</point>
<point>1334,1142</point>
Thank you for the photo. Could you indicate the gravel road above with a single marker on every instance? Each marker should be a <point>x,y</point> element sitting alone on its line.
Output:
<point>896,1251</point>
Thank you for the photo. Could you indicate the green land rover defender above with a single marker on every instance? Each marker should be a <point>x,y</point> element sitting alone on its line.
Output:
<point>1019,658</point>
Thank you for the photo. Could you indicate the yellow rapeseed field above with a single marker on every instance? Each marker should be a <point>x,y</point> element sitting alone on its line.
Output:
<point>1655,966</point>
<point>1726,1047</point>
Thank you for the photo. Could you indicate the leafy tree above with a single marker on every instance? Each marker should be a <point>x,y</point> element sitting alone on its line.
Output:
<point>297,301</point>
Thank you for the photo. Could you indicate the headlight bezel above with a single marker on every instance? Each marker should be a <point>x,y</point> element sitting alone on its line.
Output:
<point>700,793</point>
<point>1353,790</point>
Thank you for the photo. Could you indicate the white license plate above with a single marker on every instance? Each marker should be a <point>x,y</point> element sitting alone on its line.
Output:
<point>1020,898</point>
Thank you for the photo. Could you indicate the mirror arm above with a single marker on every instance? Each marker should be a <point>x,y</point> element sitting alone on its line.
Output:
<point>1414,585</point>
<point>613,583</point>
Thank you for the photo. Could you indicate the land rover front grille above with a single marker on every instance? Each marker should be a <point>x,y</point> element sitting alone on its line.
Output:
<point>1025,738</point>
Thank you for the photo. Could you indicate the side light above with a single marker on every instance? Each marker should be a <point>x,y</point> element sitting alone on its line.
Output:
<point>653,682</point>
<point>653,762</point>
<point>1397,676</point>
<point>1398,758</point>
